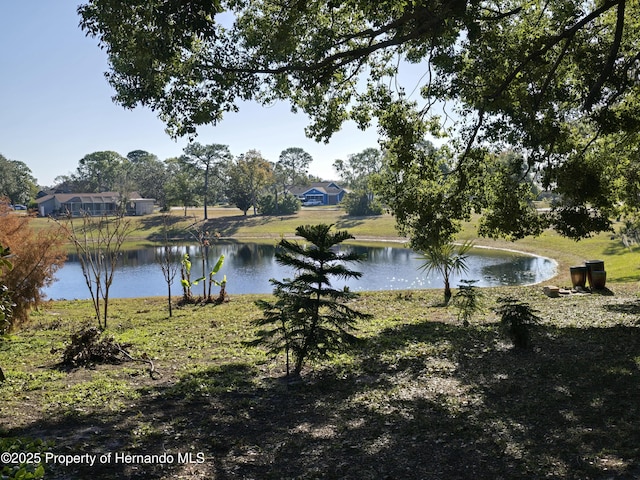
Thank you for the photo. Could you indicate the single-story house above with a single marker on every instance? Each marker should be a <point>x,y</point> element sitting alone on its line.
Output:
<point>93,204</point>
<point>319,193</point>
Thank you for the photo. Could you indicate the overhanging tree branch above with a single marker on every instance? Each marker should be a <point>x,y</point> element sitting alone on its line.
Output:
<point>551,43</point>
<point>611,59</point>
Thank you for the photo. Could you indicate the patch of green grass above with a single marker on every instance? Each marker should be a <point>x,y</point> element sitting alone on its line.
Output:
<point>20,381</point>
<point>101,391</point>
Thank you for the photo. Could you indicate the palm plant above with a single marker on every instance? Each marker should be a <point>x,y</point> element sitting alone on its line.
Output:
<point>446,259</point>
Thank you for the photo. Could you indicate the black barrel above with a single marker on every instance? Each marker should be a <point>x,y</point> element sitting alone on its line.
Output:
<point>578,275</point>
<point>595,266</point>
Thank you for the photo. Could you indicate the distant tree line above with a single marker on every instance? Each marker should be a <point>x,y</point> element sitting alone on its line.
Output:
<point>204,175</point>
<point>209,174</point>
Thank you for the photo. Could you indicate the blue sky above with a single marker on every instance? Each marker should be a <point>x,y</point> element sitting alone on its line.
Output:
<point>55,104</point>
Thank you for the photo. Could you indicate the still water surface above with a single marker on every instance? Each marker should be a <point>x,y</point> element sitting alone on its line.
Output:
<point>249,266</point>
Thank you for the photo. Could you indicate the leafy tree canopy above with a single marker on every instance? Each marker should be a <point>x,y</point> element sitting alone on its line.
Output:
<point>210,159</point>
<point>247,178</point>
<point>358,173</point>
<point>557,80</point>
<point>183,184</point>
<point>16,181</point>
<point>357,170</point>
<point>292,167</point>
<point>147,175</point>
<point>102,171</point>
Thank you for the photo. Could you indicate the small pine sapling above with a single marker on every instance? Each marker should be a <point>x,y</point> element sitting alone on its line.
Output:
<point>468,301</point>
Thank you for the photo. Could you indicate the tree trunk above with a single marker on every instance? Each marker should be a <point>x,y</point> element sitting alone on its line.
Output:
<point>297,369</point>
<point>223,294</point>
<point>106,306</point>
<point>205,253</point>
<point>206,190</point>
<point>447,292</point>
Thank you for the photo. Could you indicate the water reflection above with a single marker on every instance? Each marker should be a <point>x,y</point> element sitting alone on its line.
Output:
<point>517,271</point>
<point>249,266</point>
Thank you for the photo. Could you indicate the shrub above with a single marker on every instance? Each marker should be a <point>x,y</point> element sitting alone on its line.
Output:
<point>24,445</point>
<point>6,309</point>
<point>6,304</point>
<point>517,318</point>
<point>467,300</point>
<point>36,256</point>
<point>629,233</point>
<point>287,205</point>
<point>361,204</point>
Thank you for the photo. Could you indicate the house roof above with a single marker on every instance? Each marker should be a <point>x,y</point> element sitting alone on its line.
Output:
<point>330,188</point>
<point>103,197</point>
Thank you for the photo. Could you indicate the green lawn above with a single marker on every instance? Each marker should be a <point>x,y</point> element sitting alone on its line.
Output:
<point>422,398</point>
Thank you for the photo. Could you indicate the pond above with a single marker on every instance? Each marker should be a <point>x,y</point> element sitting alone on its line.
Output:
<point>249,266</point>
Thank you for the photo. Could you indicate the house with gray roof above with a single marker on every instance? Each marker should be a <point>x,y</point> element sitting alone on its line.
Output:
<point>92,204</point>
<point>319,193</point>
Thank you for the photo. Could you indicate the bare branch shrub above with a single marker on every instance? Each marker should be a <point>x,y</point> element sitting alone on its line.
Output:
<point>98,243</point>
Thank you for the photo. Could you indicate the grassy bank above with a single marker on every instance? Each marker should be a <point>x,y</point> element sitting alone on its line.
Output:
<point>622,264</point>
<point>422,398</point>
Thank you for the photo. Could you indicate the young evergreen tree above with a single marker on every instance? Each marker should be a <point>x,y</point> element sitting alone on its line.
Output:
<point>311,319</point>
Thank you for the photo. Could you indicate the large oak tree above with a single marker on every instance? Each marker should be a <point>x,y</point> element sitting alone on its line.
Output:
<point>556,81</point>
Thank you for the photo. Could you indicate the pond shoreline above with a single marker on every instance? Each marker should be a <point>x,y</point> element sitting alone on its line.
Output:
<point>404,240</point>
<point>388,266</point>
